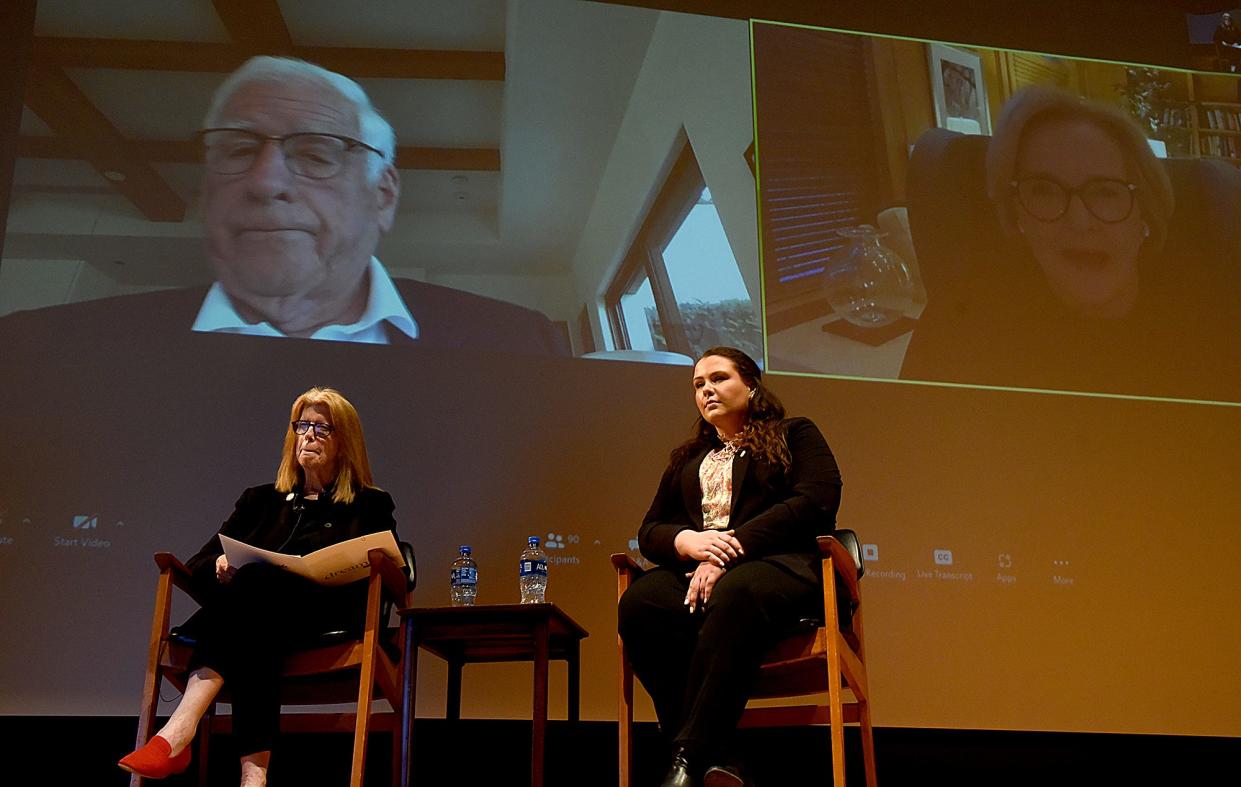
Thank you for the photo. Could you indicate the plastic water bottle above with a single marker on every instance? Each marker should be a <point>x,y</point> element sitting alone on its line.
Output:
<point>532,572</point>
<point>464,579</point>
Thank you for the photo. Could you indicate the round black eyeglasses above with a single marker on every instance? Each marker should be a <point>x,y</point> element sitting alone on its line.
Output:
<point>1046,199</point>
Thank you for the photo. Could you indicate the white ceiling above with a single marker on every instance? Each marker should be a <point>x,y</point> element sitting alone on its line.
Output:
<point>570,68</point>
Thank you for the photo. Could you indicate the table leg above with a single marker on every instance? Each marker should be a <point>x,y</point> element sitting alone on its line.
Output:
<point>409,688</point>
<point>453,700</point>
<point>573,657</point>
<point>539,724</point>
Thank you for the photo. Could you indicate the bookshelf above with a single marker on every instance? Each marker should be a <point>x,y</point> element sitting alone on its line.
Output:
<point>1215,117</point>
<point>1219,130</point>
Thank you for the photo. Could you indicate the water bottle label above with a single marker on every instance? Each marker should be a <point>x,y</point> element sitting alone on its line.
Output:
<point>534,568</point>
<point>465,576</point>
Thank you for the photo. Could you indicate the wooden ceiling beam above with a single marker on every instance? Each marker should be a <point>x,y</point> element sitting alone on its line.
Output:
<point>450,159</point>
<point>156,151</point>
<point>257,24</point>
<point>171,151</point>
<point>407,63</point>
<point>65,109</point>
<point>205,57</point>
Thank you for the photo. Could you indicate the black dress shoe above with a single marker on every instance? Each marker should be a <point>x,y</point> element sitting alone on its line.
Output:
<point>679,774</point>
<point>725,776</point>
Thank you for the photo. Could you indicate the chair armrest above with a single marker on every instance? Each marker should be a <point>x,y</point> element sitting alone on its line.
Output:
<point>395,583</point>
<point>169,562</point>
<point>627,570</point>
<point>842,563</point>
<point>624,564</point>
<point>178,574</point>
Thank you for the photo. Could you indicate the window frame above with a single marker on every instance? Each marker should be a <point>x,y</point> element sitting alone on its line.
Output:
<point>680,192</point>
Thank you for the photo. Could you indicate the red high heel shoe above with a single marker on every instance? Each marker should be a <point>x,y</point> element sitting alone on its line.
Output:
<point>155,760</point>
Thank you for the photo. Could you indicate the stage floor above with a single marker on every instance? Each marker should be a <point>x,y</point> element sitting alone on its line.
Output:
<point>83,751</point>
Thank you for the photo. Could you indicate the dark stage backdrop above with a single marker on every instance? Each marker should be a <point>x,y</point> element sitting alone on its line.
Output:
<point>1040,557</point>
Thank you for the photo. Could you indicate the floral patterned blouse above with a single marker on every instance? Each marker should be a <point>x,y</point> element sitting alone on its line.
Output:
<point>715,476</point>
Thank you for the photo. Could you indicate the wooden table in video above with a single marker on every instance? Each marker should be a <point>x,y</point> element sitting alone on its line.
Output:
<point>491,633</point>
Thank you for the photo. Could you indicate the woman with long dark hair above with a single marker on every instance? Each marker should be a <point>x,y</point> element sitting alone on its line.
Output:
<point>732,533</point>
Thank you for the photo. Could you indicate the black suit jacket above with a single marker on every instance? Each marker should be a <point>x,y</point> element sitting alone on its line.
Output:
<point>776,515</point>
<point>446,318</point>
<point>277,521</point>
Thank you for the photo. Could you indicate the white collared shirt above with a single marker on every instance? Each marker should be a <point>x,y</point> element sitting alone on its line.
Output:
<point>383,305</point>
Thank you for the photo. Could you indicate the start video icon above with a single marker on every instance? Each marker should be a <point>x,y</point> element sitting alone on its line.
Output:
<point>85,522</point>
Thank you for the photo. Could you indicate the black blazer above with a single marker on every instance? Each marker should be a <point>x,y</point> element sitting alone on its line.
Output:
<point>265,518</point>
<point>776,515</point>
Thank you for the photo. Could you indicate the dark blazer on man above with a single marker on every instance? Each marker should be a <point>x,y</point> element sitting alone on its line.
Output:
<point>776,515</point>
<point>447,319</point>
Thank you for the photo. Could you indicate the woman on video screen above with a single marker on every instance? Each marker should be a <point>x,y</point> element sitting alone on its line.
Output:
<point>1081,290</point>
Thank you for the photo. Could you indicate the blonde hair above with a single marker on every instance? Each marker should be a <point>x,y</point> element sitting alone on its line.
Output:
<point>353,472</point>
<point>1040,103</point>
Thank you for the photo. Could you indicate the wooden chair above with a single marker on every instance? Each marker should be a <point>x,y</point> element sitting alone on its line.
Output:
<point>822,657</point>
<point>340,667</point>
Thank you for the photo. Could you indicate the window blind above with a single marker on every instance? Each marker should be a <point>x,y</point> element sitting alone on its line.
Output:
<point>817,150</point>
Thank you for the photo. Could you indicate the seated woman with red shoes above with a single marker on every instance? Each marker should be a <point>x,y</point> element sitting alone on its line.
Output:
<point>732,533</point>
<point>256,614</point>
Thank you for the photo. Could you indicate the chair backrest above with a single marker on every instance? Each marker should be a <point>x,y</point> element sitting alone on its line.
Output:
<point>952,221</point>
<point>411,564</point>
<point>410,570</point>
<point>1204,237</point>
<point>850,541</point>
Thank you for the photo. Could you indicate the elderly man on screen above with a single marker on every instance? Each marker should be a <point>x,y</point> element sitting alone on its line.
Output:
<point>300,183</point>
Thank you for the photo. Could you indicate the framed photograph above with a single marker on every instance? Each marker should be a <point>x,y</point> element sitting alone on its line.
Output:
<point>958,89</point>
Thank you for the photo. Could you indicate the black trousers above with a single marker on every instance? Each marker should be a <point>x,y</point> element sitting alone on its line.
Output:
<point>248,628</point>
<point>700,668</point>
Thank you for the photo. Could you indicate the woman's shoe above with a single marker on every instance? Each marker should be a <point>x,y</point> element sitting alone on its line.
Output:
<point>678,775</point>
<point>155,760</point>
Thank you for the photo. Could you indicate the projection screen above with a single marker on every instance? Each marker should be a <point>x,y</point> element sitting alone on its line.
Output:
<point>1048,504</point>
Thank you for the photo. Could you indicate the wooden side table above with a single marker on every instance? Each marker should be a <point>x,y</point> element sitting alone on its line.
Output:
<point>490,633</point>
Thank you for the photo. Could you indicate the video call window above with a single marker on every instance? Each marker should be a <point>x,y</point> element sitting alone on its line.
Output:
<point>1215,40</point>
<point>900,241</point>
<point>526,159</point>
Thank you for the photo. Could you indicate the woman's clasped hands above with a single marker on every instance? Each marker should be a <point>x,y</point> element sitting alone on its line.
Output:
<point>715,551</point>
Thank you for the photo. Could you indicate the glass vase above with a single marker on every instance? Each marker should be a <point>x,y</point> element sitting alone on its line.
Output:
<point>866,282</point>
